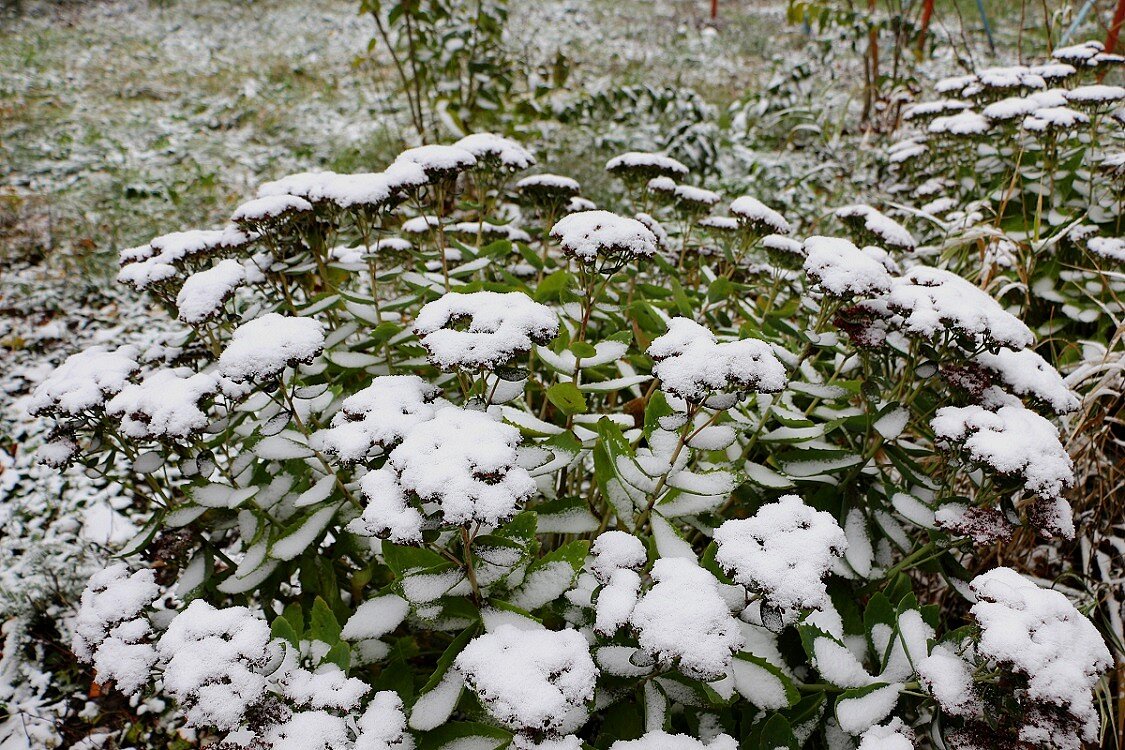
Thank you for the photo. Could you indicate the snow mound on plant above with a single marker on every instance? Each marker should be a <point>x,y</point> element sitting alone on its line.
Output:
<point>1039,634</point>
<point>1012,440</point>
<point>483,329</point>
<point>841,269</point>
<point>84,380</point>
<point>530,679</point>
<point>263,347</point>
<point>692,364</point>
<point>683,620</point>
<point>589,234</point>
<point>932,301</point>
<point>783,551</point>
<point>380,415</point>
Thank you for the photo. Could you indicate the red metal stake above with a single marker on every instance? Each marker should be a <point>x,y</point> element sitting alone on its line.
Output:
<point>1114,31</point>
<point>714,9</point>
<point>927,12</point>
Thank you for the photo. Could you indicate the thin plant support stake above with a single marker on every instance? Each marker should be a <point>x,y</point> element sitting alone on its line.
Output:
<point>987,26</point>
<point>1078,19</point>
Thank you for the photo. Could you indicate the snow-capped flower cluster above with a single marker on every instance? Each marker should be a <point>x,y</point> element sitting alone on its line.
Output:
<point>378,416</point>
<point>111,633</point>
<point>532,680</point>
<point>592,235</point>
<point>692,364</point>
<point>782,552</point>
<point>683,620</point>
<point>164,404</point>
<point>932,300</point>
<point>1011,440</point>
<point>841,269</point>
<point>1039,634</point>
<point>262,348</point>
<point>462,462</point>
<point>85,380</point>
<point>483,329</point>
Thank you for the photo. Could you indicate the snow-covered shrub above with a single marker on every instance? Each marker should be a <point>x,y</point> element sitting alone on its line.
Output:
<point>653,479</point>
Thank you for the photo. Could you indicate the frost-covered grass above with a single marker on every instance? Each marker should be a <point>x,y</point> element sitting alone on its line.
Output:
<point>122,117</point>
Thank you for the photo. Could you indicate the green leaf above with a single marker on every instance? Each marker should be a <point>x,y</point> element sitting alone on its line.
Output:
<point>656,408</point>
<point>567,398</point>
<point>400,558</point>
<point>610,448</point>
<point>777,733</point>
<point>447,657</point>
<point>582,350</point>
<point>280,628</point>
<point>720,289</point>
<point>452,731</point>
<point>554,287</point>
<point>792,695</point>
<point>323,626</point>
<point>340,654</point>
